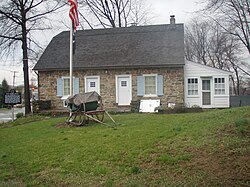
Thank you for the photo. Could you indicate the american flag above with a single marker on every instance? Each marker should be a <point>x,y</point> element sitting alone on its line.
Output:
<point>73,13</point>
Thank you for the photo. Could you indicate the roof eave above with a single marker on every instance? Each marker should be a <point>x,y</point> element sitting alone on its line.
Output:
<point>112,67</point>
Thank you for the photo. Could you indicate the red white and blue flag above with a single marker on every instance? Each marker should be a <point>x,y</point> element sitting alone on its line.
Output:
<point>73,13</point>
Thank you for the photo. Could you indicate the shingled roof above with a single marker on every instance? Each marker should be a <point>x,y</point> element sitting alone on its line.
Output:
<point>136,46</point>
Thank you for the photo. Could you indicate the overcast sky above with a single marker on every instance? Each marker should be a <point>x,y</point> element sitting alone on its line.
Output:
<point>162,9</point>
<point>182,9</point>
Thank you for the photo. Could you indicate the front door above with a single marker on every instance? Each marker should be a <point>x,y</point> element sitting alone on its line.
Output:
<point>92,83</point>
<point>206,92</point>
<point>123,89</point>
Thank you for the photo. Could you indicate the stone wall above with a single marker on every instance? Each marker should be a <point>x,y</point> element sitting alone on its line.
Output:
<point>173,84</point>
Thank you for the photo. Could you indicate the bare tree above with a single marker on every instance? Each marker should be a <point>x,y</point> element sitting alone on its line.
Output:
<point>140,12</point>
<point>197,41</point>
<point>19,19</point>
<point>114,13</point>
<point>207,43</point>
<point>236,16</point>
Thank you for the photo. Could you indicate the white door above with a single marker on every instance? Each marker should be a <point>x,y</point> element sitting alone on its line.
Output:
<point>123,89</point>
<point>92,84</point>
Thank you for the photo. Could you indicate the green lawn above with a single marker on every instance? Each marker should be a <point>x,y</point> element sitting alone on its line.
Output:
<point>195,149</point>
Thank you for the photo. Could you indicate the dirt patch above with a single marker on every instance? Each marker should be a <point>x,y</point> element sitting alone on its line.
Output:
<point>224,162</point>
<point>223,168</point>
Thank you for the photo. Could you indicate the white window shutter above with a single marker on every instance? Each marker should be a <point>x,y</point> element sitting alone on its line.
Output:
<point>76,86</point>
<point>160,85</point>
<point>140,85</point>
<point>59,87</point>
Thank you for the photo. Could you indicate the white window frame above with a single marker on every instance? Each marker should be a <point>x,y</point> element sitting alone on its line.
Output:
<point>64,103</point>
<point>93,77</point>
<point>63,79</point>
<point>194,85</point>
<point>64,97</point>
<point>219,86</point>
<point>150,75</point>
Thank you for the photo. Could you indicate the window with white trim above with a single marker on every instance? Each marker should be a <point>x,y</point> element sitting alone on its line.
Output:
<point>66,86</point>
<point>192,86</point>
<point>92,83</point>
<point>219,86</point>
<point>63,86</point>
<point>150,84</point>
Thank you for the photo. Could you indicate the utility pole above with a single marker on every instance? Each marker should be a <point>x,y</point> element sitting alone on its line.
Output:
<point>14,76</point>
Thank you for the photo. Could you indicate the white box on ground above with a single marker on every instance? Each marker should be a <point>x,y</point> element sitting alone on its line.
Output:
<point>149,105</point>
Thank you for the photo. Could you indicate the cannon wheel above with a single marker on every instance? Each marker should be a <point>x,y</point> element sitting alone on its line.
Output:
<point>78,118</point>
<point>97,115</point>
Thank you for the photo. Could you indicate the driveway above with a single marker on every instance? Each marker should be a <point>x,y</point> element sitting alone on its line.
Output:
<point>6,115</point>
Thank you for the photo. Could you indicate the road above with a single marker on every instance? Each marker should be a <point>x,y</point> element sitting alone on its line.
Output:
<point>6,115</point>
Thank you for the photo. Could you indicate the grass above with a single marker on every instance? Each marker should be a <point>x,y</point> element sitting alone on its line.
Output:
<point>242,125</point>
<point>23,120</point>
<point>194,149</point>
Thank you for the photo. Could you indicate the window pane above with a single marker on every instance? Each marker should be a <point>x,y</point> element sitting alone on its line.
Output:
<point>66,88</point>
<point>92,84</point>
<point>193,86</point>
<point>205,84</point>
<point>150,80</point>
<point>123,83</point>
<point>219,86</point>
<point>150,85</point>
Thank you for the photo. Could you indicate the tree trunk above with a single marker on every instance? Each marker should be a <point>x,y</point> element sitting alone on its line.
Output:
<point>26,80</point>
<point>25,66</point>
<point>237,81</point>
<point>233,86</point>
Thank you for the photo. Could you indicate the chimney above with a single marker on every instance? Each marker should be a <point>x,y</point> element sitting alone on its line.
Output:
<point>172,19</point>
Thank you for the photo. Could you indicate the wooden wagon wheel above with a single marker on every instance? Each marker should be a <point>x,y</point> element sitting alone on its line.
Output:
<point>99,115</point>
<point>96,116</point>
<point>100,112</point>
<point>78,118</point>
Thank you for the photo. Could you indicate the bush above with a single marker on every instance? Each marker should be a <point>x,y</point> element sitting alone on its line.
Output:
<point>40,105</point>
<point>19,115</point>
<point>178,109</point>
<point>135,106</point>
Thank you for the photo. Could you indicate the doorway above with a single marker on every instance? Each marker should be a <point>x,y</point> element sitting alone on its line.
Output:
<point>123,89</point>
<point>206,91</point>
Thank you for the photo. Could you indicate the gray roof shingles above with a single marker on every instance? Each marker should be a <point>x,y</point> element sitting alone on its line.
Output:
<point>137,46</point>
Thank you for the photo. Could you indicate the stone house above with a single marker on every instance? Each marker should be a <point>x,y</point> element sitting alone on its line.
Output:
<point>122,64</point>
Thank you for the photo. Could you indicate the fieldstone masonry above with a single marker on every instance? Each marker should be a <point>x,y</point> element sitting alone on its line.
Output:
<point>173,84</point>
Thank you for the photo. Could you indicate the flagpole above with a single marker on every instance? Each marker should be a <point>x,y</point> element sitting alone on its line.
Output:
<point>73,14</point>
<point>71,61</point>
